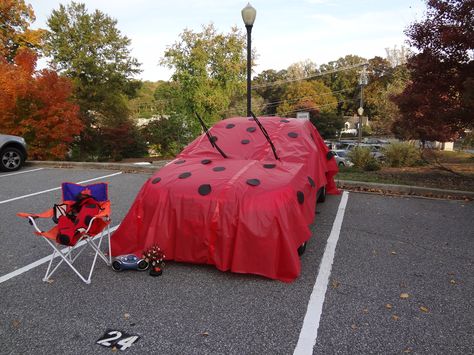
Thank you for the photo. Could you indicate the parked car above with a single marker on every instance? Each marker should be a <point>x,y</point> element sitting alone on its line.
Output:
<point>236,197</point>
<point>342,158</point>
<point>13,152</point>
<point>375,150</point>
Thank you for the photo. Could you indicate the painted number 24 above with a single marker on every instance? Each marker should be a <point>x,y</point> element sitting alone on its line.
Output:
<point>114,338</point>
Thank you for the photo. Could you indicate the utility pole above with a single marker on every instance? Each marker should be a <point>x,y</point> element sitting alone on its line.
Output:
<point>360,111</point>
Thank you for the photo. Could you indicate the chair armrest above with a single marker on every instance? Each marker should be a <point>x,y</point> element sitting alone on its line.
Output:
<point>46,214</point>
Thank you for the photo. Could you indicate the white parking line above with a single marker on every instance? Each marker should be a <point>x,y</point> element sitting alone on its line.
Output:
<point>57,188</point>
<point>309,331</point>
<point>42,261</point>
<point>21,172</point>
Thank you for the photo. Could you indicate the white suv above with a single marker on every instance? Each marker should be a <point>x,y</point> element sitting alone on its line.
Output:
<point>12,152</point>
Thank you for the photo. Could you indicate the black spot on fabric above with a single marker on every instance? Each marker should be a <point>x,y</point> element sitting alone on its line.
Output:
<point>300,197</point>
<point>329,155</point>
<point>251,129</point>
<point>87,220</point>
<point>219,168</point>
<point>311,182</point>
<point>156,180</point>
<point>253,182</point>
<point>206,161</point>
<point>293,134</point>
<point>269,166</point>
<point>230,125</point>
<point>184,175</point>
<point>204,189</point>
<point>63,239</point>
<point>285,121</point>
<point>245,141</point>
<point>213,138</point>
<point>180,162</point>
<point>91,205</point>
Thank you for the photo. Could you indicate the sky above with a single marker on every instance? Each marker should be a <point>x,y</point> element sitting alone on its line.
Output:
<point>284,32</point>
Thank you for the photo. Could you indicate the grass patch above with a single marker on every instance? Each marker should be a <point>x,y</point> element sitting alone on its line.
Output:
<point>354,174</point>
<point>425,176</point>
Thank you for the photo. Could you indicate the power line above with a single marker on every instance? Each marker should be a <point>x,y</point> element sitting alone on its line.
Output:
<point>305,97</point>
<point>279,82</point>
<point>311,107</point>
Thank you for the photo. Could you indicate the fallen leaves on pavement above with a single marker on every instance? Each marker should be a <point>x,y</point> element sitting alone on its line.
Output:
<point>424,309</point>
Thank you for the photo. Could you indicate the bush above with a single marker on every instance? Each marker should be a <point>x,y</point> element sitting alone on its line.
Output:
<point>402,154</point>
<point>363,159</point>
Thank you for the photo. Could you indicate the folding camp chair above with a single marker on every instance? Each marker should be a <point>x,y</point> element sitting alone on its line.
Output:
<point>91,233</point>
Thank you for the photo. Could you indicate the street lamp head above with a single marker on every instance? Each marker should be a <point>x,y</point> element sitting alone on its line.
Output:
<point>360,111</point>
<point>363,80</point>
<point>248,15</point>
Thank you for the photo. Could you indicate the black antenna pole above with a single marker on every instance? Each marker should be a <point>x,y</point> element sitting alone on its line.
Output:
<point>211,138</point>
<point>265,133</point>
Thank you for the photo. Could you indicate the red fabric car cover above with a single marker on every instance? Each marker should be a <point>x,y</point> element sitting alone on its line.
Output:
<point>248,213</point>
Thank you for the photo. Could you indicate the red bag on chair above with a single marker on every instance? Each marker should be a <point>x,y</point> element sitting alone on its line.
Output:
<point>76,219</point>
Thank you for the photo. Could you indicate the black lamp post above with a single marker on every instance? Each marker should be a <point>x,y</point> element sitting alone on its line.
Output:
<point>248,15</point>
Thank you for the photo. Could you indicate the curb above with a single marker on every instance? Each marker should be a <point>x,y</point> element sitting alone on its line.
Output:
<point>405,190</point>
<point>343,184</point>
<point>125,167</point>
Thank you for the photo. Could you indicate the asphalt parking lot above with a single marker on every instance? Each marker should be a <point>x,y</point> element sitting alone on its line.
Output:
<point>400,281</point>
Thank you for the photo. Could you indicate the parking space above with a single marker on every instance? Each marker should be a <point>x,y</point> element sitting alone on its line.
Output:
<point>402,280</point>
<point>387,246</point>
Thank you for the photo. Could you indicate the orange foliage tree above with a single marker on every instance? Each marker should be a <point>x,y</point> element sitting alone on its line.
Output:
<point>15,32</point>
<point>36,105</point>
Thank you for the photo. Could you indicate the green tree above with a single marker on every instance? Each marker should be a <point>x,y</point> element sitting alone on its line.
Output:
<point>89,49</point>
<point>168,135</point>
<point>385,82</point>
<point>343,80</point>
<point>327,123</point>
<point>144,105</point>
<point>268,85</point>
<point>209,73</point>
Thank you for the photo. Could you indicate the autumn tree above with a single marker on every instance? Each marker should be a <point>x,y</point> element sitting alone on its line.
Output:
<point>37,106</point>
<point>15,33</point>
<point>308,94</point>
<point>91,50</point>
<point>438,102</point>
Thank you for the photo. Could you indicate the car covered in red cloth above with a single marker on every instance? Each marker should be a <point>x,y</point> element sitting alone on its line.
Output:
<point>238,197</point>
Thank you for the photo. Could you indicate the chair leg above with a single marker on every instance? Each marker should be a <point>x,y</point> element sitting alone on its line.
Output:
<point>110,248</point>
<point>96,247</point>
<point>68,255</point>
<point>47,275</point>
<point>65,258</point>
